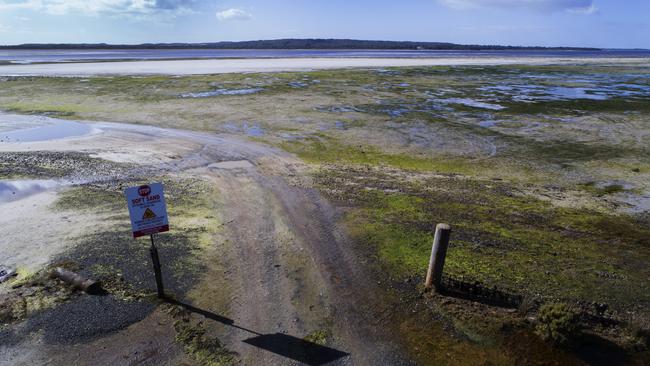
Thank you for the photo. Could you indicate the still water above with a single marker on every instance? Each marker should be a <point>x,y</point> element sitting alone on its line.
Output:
<point>33,56</point>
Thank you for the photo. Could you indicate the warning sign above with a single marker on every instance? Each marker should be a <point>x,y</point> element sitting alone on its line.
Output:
<point>148,214</point>
<point>147,209</point>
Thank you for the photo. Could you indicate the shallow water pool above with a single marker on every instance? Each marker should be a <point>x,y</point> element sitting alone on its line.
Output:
<point>219,92</point>
<point>17,128</point>
<point>16,189</point>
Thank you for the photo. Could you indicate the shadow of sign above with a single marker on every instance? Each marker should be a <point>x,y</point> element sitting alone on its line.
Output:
<point>297,349</point>
<point>207,314</point>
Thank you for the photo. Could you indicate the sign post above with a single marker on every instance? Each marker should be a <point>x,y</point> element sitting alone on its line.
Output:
<point>156,269</point>
<point>148,213</point>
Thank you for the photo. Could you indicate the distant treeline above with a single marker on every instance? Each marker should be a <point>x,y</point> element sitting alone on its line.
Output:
<point>291,44</point>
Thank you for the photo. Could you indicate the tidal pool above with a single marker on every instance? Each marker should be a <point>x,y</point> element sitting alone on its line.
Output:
<point>254,130</point>
<point>249,129</point>
<point>339,109</point>
<point>488,123</point>
<point>16,189</point>
<point>594,87</point>
<point>17,128</point>
<point>471,103</point>
<point>297,84</point>
<point>218,92</point>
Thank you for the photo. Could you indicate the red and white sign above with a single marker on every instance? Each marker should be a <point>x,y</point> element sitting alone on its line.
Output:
<point>147,209</point>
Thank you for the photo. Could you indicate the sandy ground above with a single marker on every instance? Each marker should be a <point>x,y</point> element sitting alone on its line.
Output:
<point>290,268</point>
<point>197,67</point>
<point>31,232</point>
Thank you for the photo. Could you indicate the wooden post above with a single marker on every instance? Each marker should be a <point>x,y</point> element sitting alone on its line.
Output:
<point>156,268</point>
<point>438,253</point>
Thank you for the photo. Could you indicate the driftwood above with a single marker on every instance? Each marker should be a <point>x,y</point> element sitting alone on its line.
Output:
<point>81,283</point>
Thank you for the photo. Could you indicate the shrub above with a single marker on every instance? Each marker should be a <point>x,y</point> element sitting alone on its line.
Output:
<point>558,324</point>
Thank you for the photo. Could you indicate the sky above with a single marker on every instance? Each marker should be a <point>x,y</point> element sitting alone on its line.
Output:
<point>587,23</point>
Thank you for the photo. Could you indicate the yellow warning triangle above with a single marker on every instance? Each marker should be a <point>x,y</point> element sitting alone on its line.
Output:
<point>148,214</point>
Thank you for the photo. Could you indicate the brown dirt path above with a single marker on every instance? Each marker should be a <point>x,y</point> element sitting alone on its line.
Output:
<point>291,269</point>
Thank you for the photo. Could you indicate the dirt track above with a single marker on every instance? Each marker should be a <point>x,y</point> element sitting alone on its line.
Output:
<point>289,269</point>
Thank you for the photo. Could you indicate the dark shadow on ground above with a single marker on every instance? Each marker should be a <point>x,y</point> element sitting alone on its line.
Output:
<point>207,314</point>
<point>477,292</point>
<point>84,318</point>
<point>597,351</point>
<point>284,345</point>
<point>296,349</point>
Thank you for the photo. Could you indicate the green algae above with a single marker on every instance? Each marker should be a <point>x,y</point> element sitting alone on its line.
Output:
<point>202,348</point>
<point>500,239</point>
<point>604,190</point>
<point>328,150</point>
<point>35,292</point>
<point>319,337</point>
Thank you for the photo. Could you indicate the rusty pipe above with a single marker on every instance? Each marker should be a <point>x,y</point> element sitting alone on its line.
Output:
<point>81,283</point>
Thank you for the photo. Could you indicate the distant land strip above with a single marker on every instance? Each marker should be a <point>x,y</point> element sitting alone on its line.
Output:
<point>291,44</point>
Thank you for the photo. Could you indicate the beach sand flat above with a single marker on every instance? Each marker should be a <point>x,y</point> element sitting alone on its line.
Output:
<point>220,66</point>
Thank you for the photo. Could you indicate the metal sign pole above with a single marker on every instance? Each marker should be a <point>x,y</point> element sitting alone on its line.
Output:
<point>156,268</point>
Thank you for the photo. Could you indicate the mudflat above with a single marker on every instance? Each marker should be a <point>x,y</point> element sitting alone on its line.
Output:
<point>301,209</point>
<point>219,66</point>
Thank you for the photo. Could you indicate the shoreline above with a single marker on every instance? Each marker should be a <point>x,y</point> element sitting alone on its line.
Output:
<point>248,65</point>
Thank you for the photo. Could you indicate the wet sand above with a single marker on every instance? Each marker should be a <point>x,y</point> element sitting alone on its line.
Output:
<point>198,67</point>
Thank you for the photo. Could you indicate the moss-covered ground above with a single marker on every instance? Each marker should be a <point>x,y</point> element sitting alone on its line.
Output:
<point>500,237</point>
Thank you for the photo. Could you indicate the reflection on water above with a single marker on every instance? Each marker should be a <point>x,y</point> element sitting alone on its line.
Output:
<point>14,128</point>
<point>218,92</point>
<point>54,55</point>
<point>253,130</point>
<point>595,87</point>
<point>17,189</point>
<point>470,103</point>
<point>488,123</point>
<point>250,129</point>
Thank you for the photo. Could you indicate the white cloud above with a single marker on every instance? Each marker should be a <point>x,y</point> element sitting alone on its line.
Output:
<point>234,14</point>
<point>592,9</point>
<point>136,8</point>
<point>573,6</point>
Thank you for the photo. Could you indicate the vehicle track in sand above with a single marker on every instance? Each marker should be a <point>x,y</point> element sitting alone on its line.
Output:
<point>291,270</point>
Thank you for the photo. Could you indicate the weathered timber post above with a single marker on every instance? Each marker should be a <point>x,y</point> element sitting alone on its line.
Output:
<point>438,253</point>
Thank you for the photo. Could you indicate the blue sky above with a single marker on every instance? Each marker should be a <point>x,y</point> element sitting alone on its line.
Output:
<point>597,23</point>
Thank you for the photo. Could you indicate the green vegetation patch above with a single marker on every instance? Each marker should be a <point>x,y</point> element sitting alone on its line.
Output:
<point>319,337</point>
<point>499,238</point>
<point>602,190</point>
<point>559,324</point>
<point>34,293</point>
<point>206,350</point>
<point>322,149</point>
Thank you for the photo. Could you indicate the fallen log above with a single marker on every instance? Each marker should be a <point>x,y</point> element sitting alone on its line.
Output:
<point>81,283</point>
